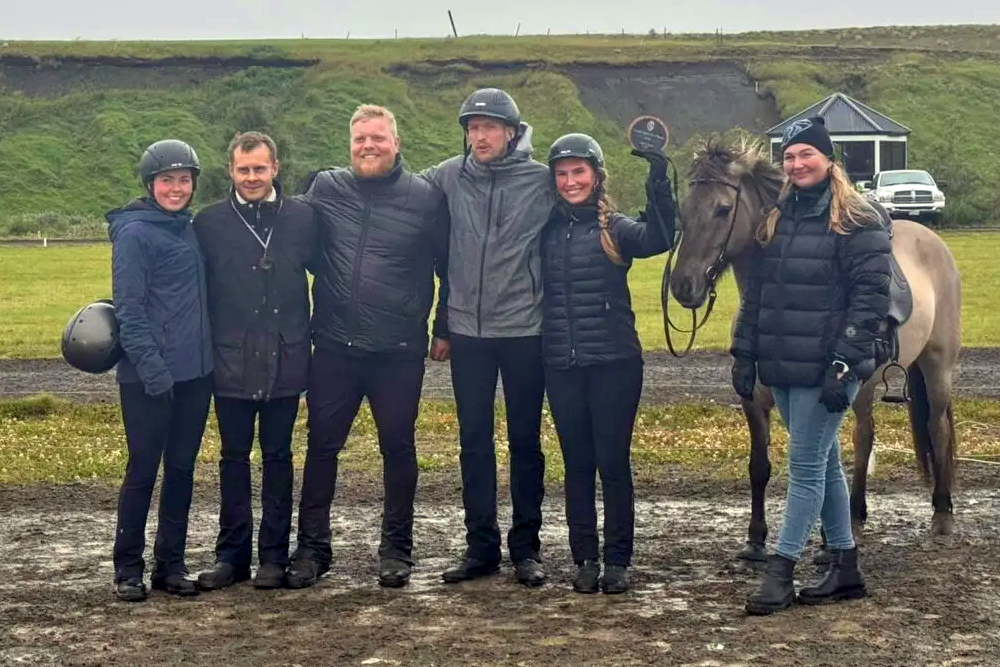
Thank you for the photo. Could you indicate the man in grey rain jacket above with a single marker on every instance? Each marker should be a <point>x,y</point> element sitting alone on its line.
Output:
<point>499,200</point>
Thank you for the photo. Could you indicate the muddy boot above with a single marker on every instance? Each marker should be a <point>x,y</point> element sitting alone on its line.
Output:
<point>222,575</point>
<point>777,589</point>
<point>588,576</point>
<point>131,590</point>
<point>176,583</point>
<point>468,569</point>
<point>304,572</point>
<point>615,579</point>
<point>269,576</point>
<point>843,581</point>
<point>393,573</point>
<point>529,572</point>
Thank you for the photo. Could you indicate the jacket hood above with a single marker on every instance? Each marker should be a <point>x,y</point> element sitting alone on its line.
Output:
<point>515,158</point>
<point>142,210</point>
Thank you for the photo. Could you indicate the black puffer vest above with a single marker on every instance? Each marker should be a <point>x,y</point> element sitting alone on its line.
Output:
<point>587,308</point>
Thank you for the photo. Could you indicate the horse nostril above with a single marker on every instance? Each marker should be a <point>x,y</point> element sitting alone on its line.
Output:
<point>683,289</point>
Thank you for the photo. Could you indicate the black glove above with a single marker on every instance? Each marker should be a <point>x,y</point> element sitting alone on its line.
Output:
<point>657,165</point>
<point>834,396</point>
<point>744,376</point>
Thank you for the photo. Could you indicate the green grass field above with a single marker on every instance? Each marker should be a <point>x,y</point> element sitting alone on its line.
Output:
<point>45,440</point>
<point>43,287</point>
<point>73,155</point>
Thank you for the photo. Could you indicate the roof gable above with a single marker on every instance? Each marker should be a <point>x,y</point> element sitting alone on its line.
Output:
<point>845,115</point>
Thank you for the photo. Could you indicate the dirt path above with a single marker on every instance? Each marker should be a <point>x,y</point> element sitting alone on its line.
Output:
<point>701,376</point>
<point>935,601</point>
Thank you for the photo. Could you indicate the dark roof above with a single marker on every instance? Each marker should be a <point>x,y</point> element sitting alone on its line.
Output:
<point>845,115</point>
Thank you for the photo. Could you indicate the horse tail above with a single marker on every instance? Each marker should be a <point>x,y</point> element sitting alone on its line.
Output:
<point>920,415</point>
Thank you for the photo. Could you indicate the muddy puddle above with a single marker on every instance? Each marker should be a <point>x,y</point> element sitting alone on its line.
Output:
<point>935,601</point>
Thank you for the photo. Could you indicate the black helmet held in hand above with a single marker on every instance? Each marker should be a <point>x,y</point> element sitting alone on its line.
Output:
<point>492,103</point>
<point>577,145</point>
<point>167,155</point>
<point>90,339</point>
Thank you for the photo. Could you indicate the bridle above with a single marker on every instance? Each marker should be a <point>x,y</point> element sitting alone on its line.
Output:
<point>712,273</point>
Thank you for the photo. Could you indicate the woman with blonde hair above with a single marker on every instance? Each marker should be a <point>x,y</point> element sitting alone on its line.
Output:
<point>818,290</point>
<point>593,359</point>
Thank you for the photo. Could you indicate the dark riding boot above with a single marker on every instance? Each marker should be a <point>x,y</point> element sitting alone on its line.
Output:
<point>777,589</point>
<point>843,581</point>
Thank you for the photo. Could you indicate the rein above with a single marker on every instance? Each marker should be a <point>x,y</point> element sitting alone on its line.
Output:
<point>712,274</point>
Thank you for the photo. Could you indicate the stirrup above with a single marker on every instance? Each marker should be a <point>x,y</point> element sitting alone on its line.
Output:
<point>888,396</point>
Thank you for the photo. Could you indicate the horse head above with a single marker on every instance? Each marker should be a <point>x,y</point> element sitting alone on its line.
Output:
<point>732,187</point>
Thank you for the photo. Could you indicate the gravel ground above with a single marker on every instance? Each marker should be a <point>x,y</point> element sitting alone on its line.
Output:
<point>700,376</point>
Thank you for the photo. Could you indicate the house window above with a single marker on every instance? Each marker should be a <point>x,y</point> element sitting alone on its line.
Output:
<point>858,158</point>
<point>892,155</point>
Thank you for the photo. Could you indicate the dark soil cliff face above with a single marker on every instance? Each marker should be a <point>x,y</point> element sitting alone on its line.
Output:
<point>692,98</point>
<point>52,78</point>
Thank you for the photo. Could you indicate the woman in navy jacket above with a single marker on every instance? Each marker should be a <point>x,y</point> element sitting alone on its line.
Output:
<point>593,359</point>
<point>158,285</point>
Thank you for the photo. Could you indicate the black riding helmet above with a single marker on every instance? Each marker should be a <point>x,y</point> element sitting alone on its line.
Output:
<point>167,155</point>
<point>90,339</point>
<point>492,103</point>
<point>577,145</point>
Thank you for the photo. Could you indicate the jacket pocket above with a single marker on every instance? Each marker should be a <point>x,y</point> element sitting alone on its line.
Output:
<point>229,366</point>
<point>294,353</point>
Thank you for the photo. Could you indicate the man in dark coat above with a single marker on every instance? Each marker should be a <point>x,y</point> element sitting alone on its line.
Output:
<point>383,236</point>
<point>257,243</point>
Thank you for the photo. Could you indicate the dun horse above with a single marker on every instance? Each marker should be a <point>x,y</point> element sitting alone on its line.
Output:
<point>731,190</point>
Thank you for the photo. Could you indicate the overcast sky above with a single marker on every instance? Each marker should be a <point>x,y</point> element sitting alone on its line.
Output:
<point>257,19</point>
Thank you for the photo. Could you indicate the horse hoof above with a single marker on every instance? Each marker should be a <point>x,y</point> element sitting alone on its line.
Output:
<point>943,523</point>
<point>753,554</point>
<point>857,528</point>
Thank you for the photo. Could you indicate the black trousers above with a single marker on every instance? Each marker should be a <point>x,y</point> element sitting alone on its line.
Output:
<point>338,382</point>
<point>594,410</point>
<point>237,421</point>
<point>167,429</point>
<point>475,363</point>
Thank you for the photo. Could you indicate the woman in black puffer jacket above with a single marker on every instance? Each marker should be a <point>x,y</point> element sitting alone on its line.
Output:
<point>593,359</point>
<point>818,291</point>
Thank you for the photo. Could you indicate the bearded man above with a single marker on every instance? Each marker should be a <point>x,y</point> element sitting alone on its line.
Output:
<point>383,236</point>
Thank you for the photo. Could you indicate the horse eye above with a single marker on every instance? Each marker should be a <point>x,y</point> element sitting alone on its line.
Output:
<point>723,211</point>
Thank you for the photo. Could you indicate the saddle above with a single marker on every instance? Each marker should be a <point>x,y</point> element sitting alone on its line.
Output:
<point>900,309</point>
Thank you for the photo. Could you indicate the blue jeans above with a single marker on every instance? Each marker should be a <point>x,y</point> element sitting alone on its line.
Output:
<point>817,487</point>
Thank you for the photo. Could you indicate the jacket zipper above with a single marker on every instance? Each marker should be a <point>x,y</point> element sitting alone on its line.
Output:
<point>482,258</point>
<point>569,293</point>
<point>357,270</point>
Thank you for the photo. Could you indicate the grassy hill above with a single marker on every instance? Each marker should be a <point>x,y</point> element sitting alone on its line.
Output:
<point>69,156</point>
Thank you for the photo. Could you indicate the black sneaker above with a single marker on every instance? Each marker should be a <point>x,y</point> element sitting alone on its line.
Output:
<point>305,572</point>
<point>468,569</point>
<point>131,590</point>
<point>179,583</point>
<point>615,579</point>
<point>269,576</point>
<point>222,575</point>
<point>393,573</point>
<point>588,574</point>
<point>530,572</point>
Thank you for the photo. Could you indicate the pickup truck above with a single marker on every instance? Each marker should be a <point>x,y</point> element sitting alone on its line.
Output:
<point>907,192</point>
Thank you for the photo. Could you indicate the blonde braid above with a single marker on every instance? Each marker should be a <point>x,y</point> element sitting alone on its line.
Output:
<point>605,207</point>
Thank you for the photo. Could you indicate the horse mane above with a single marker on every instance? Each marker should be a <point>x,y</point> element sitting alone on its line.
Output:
<point>717,160</point>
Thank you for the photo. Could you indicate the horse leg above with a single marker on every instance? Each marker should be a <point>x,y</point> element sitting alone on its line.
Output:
<point>932,385</point>
<point>864,441</point>
<point>758,416</point>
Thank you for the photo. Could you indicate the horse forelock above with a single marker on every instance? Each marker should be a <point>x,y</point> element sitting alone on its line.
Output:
<point>719,161</point>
